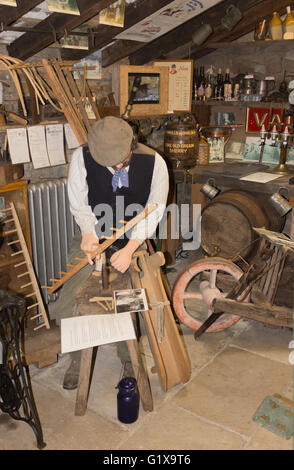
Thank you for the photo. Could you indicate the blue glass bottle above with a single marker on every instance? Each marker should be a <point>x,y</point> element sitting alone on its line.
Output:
<point>127,400</point>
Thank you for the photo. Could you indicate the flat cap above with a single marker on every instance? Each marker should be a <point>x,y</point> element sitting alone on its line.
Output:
<point>109,140</point>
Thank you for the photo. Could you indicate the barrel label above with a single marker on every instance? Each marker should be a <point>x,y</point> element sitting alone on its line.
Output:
<point>192,132</point>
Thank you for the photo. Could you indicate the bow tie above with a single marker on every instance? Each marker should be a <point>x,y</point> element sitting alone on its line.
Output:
<point>121,174</point>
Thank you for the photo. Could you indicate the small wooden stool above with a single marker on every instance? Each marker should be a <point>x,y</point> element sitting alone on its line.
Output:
<point>82,304</point>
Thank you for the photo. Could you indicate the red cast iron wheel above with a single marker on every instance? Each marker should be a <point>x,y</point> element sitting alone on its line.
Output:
<point>208,268</point>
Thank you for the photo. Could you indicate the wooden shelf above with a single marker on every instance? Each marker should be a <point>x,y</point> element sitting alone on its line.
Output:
<point>245,104</point>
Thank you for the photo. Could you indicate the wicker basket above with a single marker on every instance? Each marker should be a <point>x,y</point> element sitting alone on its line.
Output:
<point>203,154</point>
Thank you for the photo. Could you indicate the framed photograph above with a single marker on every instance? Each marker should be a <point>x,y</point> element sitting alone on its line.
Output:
<point>252,150</point>
<point>114,15</point>
<point>224,118</point>
<point>217,149</point>
<point>10,3</point>
<point>152,94</point>
<point>130,300</point>
<point>63,6</point>
<point>180,81</point>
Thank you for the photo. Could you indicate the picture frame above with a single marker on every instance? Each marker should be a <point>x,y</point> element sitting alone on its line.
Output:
<point>180,81</point>
<point>152,95</point>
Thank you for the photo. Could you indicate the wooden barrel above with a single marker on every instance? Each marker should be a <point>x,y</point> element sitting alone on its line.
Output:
<point>227,224</point>
<point>180,144</point>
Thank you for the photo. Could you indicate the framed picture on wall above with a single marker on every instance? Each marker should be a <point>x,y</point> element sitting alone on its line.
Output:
<point>180,81</point>
<point>151,96</point>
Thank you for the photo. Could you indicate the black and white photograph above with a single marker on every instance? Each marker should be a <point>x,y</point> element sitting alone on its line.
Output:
<point>130,300</point>
<point>224,119</point>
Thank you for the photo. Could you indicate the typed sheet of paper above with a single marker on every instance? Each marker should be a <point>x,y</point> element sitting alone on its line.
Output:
<point>93,330</point>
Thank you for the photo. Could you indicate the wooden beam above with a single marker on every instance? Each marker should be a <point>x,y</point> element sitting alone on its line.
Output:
<point>133,14</point>
<point>9,15</point>
<point>28,44</point>
<point>181,37</point>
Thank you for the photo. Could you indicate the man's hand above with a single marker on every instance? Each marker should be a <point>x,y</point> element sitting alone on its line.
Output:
<point>89,244</point>
<point>121,259</point>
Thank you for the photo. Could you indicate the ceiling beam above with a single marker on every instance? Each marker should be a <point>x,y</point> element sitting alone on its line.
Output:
<point>28,45</point>
<point>161,48</point>
<point>133,14</point>
<point>9,15</point>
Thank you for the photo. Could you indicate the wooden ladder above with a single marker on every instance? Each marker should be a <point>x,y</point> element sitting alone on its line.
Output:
<point>35,295</point>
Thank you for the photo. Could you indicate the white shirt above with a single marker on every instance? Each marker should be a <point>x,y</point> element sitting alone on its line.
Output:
<point>82,211</point>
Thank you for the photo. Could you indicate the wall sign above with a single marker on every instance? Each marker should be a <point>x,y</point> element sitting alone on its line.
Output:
<point>180,78</point>
<point>257,117</point>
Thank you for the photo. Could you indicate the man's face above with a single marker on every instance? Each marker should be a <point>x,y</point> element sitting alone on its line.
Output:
<point>124,163</point>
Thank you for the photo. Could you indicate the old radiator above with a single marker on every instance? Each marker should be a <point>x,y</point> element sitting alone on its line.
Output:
<point>52,228</point>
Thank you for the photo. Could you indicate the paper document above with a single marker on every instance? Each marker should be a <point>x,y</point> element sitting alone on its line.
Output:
<point>38,147</point>
<point>93,330</point>
<point>18,145</point>
<point>55,144</point>
<point>71,140</point>
<point>260,177</point>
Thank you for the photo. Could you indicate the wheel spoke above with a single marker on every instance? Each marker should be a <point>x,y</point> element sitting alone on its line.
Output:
<point>192,295</point>
<point>212,278</point>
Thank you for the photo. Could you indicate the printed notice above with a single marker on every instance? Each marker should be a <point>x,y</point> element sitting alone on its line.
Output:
<point>55,144</point>
<point>18,145</point>
<point>260,177</point>
<point>38,147</point>
<point>71,140</point>
<point>93,330</point>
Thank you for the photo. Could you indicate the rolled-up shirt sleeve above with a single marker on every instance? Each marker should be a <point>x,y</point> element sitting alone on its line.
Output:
<point>77,189</point>
<point>158,194</point>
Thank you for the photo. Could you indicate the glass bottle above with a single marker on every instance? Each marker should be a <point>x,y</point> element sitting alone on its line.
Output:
<point>201,85</point>
<point>276,26</point>
<point>288,23</point>
<point>127,400</point>
<point>227,86</point>
<point>219,87</point>
<point>195,84</point>
<point>209,86</point>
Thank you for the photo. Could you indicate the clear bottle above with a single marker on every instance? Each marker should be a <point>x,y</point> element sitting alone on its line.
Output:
<point>201,85</point>
<point>219,86</point>
<point>227,86</point>
<point>288,24</point>
<point>195,84</point>
<point>276,26</point>
<point>209,86</point>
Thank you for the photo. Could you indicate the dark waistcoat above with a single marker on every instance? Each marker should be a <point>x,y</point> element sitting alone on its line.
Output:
<point>100,190</point>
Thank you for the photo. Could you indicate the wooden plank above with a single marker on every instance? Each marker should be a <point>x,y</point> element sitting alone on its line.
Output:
<point>65,104</point>
<point>84,382</point>
<point>275,316</point>
<point>253,12</point>
<point>156,353</point>
<point>133,14</point>
<point>174,356</point>
<point>9,15</point>
<point>30,44</point>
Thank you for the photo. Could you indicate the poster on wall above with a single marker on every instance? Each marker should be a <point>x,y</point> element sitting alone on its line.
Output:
<point>166,19</point>
<point>114,15</point>
<point>69,7</point>
<point>180,78</point>
<point>257,117</point>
